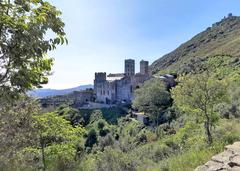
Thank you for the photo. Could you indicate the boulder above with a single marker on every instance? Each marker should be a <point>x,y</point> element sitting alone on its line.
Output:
<point>222,157</point>
<point>229,160</point>
<point>235,148</point>
<point>214,166</point>
<point>201,168</point>
<point>235,161</point>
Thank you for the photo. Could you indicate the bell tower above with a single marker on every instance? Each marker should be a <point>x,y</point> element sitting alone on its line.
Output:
<point>129,67</point>
<point>144,67</point>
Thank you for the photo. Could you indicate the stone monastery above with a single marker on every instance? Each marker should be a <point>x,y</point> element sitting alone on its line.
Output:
<point>109,89</point>
<point>119,88</point>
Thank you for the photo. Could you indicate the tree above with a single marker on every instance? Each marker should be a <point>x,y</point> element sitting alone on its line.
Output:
<point>152,98</point>
<point>95,116</point>
<point>91,138</point>
<point>197,95</point>
<point>100,124</point>
<point>55,135</point>
<point>108,140</point>
<point>24,133</point>
<point>17,130</point>
<point>70,114</point>
<point>24,64</point>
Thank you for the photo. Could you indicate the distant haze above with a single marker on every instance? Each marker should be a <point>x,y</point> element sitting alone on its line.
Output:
<point>40,93</point>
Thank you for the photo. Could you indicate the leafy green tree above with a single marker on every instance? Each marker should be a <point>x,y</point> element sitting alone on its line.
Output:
<point>56,133</point>
<point>70,114</point>
<point>24,64</point>
<point>108,140</point>
<point>91,138</point>
<point>17,131</point>
<point>101,124</point>
<point>23,131</point>
<point>152,98</point>
<point>198,95</point>
<point>96,115</point>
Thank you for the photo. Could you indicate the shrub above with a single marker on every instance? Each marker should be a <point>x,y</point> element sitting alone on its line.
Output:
<point>106,141</point>
<point>114,160</point>
<point>101,124</point>
<point>103,132</point>
<point>91,138</point>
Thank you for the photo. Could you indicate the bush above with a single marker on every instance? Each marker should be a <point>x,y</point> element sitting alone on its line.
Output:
<point>103,132</point>
<point>114,160</point>
<point>101,124</point>
<point>91,138</point>
<point>142,138</point>
<point>189,160</point>
<point>106,141</point>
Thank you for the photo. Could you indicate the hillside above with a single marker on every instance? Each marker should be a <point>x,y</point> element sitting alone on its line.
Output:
<point>222,38</point>
<point>53,92</point>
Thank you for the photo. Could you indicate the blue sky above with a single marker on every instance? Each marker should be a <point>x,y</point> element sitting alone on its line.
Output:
<point>102,33</point>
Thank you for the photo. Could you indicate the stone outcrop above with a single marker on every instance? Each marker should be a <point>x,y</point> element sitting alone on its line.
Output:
<point>229,160</point>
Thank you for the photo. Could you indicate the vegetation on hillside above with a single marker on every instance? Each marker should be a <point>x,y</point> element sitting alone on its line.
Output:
<point>221,38</point>
<point>190,122</point>
<point>154,99</point>
<point>198,118</point>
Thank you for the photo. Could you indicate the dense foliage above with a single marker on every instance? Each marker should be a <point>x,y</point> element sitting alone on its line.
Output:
<point>198,95</point>
<point>153,98</point>
<point>24,45</point>
<point>204,103</point>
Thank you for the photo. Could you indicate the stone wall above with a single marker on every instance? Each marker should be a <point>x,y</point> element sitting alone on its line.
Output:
<point>105,91</point>
<point>75,99</point>
<point>229,160</point>
<point>124,90</point>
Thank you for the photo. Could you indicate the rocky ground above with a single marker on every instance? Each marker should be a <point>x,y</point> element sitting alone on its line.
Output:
<point>229,160</point>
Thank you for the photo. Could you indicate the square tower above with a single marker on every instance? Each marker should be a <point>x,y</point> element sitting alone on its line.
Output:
<point>144,67</point>
<point>129,67</point>
<point>100,77</point>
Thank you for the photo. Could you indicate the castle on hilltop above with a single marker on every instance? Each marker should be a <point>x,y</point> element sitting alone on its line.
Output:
<point>117,88</point>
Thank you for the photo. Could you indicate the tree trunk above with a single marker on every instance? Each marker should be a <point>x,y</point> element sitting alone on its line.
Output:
<point>208,132</point>
<point>43,153</point>
<point>207,125</point>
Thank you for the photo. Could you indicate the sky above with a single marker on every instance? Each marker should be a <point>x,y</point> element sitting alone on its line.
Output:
<point>102,33</point>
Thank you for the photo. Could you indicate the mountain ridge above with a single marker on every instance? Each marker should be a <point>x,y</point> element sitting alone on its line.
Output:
<point>41,93</point>
<point>222,37</point>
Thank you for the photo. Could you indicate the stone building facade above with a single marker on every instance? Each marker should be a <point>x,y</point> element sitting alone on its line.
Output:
<point>115,88</point>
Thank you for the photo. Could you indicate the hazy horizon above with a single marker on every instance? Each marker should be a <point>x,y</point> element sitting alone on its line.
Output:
<point>102,34</point>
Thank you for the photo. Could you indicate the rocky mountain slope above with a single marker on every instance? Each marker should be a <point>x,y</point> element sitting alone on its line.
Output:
<point>222,38</point>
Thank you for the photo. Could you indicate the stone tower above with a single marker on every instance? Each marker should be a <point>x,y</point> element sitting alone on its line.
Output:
<point>144,67</point>
<point>129,67</point>
<point>100,77</point>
